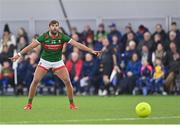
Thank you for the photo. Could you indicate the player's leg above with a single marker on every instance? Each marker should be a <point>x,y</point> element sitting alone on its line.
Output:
<point>39,73</point>
<point>63,74</point>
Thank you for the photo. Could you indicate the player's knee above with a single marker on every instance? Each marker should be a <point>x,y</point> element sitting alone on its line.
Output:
<point>36,81</point>
<point>67,82</point>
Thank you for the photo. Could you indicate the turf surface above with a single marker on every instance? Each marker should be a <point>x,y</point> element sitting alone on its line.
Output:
<point>92,109</point>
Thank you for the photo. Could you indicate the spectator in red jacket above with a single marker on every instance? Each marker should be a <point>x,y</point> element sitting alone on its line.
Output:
<point>74,66</point>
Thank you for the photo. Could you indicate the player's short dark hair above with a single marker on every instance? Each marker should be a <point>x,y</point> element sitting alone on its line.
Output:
<point>53,22</point>
<point>173,23</point>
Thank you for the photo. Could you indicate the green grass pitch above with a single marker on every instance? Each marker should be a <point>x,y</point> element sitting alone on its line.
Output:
<point>92,109</point>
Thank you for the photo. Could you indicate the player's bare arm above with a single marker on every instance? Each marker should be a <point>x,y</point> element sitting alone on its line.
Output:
<point>32,45</point>
<point>85,48</point>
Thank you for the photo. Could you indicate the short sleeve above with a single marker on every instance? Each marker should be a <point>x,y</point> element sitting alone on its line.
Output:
<point>65,38</point>
<point>41,38</point>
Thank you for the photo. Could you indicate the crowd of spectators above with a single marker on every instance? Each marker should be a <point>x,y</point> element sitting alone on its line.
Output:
<point>134,62</point>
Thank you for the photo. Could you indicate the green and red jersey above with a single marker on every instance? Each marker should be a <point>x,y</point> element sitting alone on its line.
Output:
<point>52,45</point>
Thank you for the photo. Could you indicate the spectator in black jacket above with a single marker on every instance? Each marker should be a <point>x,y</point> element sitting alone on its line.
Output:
<point>147,40</point>
<point>158,39</point>
<point>173,38</point>
<point>108,62</point>
<point>5,54</point>
<point>175,29</point>
<point>114,31</point>
<point>159,30</point>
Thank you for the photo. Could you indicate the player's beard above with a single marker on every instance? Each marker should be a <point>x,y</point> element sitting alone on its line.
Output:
<point>53,32</point>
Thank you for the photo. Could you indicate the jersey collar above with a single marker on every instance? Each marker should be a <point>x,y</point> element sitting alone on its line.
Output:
<point>53,36</point>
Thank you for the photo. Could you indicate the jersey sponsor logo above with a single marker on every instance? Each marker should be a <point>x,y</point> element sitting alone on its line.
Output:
<point>52,47</point>
<point>47,41</point>
<point>53,41</point>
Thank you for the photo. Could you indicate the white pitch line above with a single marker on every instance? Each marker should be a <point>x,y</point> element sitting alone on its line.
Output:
<point>124,119</point>
<point>94,120</point>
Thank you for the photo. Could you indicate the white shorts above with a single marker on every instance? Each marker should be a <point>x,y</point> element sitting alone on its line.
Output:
<point>51,65</point>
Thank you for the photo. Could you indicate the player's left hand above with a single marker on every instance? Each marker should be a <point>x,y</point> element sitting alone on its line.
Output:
<point>97,53</point>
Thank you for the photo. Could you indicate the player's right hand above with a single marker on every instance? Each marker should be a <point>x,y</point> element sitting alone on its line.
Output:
<point>15,58</point>
<point>97,53</point>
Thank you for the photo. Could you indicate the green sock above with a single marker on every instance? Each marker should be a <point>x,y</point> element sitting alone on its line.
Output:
<point>71,101</point>
<point>30,100</point>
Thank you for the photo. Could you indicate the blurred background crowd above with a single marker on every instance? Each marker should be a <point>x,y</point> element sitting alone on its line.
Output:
<point>133,62</point>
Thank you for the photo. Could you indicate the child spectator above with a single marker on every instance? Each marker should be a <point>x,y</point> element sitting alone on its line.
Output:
<point>158,77</point>
<point>143,84</point>
<point>7,76</point>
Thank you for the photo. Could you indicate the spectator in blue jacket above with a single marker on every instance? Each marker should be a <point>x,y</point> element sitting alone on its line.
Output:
<point>88,75</point>
<point>26,68</point>
<point>130,49</point>
<point>133,67</point>
<point>132,73</point>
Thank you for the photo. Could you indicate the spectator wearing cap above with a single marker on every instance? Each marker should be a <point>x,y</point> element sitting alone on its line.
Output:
<point>114,31</point>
